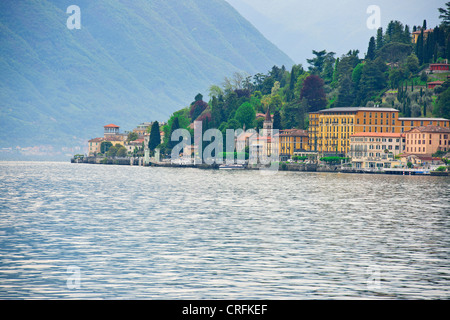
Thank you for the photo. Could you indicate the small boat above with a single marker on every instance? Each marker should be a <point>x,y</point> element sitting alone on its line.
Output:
<point>231,167</point>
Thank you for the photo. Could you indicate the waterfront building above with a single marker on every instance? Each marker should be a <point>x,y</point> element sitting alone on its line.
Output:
<point>136,144</point>
<point>330,129</point>
<point>427,140</point>
<point>111,134</point>
<point>292,141</point>
<point>94,146</point>
<point>376,149</point>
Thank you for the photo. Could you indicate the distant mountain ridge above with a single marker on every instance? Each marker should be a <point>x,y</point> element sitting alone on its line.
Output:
<point>132,61</point>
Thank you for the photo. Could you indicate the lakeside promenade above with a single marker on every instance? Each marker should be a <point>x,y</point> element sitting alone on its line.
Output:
<point>299,167</point>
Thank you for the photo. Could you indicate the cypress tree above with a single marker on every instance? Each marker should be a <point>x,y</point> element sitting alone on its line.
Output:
<point>447,49</point>
<point>371,50</point>
<point>277,120</point>
<point>175,126</point>
<point>380,39</point>
<point>155,136</point>
<point>419,48</point>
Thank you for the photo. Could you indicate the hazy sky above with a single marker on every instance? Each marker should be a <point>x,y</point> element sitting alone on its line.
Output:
<point>297,26</point>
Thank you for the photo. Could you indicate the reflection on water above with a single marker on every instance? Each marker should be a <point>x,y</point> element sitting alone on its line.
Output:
<point>117,232</point>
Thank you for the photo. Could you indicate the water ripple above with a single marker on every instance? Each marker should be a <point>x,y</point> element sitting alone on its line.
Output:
<point>156,233</point>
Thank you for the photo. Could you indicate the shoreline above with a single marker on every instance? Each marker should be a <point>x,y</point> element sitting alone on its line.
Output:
<point>296,167</point>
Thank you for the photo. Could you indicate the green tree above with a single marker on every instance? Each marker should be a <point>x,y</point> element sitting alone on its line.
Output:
<point>445,15</point>
<point>313,91</point>
<point>277,120</point>
<point>346,93</point>
<point>112,151</point>
<point>396,75</point>
<point>443,104</point>
<point>132,136</point>
<point>155,136</point>
<point>373,79</point>
<point>412,63</point>
<point>316,63</point>
<point>104,146</point>
<point>371,49</point>
<point>121,152</point>
<point>175,125</point>
<point>380,38</point>
<point>423,76</point>
<point>246,115</point>
<point>293,115</point>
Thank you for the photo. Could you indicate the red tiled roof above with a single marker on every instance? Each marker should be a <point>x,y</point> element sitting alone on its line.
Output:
<point>96,140</point>
<point>111,126</point>
<point>436,82</point>
<point>425,31</point>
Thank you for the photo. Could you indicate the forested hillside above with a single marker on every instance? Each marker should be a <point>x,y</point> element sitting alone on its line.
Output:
<point>394,72</point>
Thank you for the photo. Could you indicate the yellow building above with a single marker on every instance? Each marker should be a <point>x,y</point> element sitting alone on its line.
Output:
<point>415,35</point>
<point>330,129</point>
<point>290,141</point>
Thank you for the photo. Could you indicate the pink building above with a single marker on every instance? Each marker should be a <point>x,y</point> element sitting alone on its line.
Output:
<point>427,140</point>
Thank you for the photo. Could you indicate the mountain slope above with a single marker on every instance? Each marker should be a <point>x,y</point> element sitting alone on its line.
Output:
<point>132,61</point>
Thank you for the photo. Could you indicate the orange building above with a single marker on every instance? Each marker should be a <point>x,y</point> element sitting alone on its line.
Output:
<point>291,141</point>
<point>330,129</point>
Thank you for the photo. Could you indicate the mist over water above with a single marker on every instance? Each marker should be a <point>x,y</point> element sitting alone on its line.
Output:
<point>78,231</point>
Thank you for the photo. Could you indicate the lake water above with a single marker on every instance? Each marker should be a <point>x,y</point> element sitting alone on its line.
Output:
<point>79,231</point>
